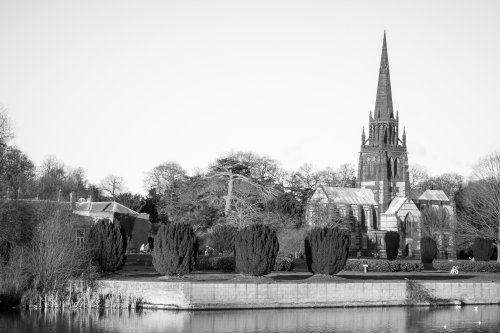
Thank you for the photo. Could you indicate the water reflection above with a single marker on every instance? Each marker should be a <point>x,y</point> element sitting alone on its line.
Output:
<point>443,319</point>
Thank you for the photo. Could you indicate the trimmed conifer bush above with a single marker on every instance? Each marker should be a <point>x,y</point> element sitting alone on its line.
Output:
<point>256,248</point>
<point>428,249</point>
<point>175,248</point>
<point>481,249</point>
<point>391,239</point>
<point>326,250</point>
<point>107,242</point>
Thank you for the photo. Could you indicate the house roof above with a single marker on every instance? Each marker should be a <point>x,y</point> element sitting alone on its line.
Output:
<point>395,205</point>
<point>103,207</point>
<point>434,195</point>
<point>351,196</point>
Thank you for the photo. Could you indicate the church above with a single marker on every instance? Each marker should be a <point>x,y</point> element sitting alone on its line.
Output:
<point>381,201</point>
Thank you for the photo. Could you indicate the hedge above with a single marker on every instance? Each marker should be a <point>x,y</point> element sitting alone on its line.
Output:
<point>375,265</point>
<point>468,266</point>
<point>205,263</point>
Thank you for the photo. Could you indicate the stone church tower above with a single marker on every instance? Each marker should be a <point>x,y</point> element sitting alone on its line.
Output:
<point>383,160</point>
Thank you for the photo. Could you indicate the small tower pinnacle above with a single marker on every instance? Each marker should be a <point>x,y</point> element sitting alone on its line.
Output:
<point>404,137</point>
<point>363,138</point>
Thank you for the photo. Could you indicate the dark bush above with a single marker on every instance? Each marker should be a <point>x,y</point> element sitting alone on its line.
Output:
<point>256,247</point>
<point>428,250</point>
<point>326,250</point>
<point>175,249</point>
<point>284,264</point>
<point>205,263</point>
<point>18,221</point>
<point>107,243</point>
<point>391,244</point>
<point>221,238</point>
<point>384,265</point>
<point>468,266</point>
<point>482,249</point>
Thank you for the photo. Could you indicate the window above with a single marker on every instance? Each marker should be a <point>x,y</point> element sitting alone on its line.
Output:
<point>80,237</point>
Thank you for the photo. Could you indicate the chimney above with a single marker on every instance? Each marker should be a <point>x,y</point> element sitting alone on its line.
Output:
<point>72,201</point>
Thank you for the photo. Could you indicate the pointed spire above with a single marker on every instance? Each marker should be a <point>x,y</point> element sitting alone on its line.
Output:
<point>371,117</point>
<point>404,137</point>
<point>363,138</point>
<point>383,104</point>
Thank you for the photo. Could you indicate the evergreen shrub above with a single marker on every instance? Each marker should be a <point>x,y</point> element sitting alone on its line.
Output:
<point>326,250</point>
<point>391,244</point>
<point>175,248</point>
<point>481,249</point>
<point>256,247</point>
<point>428,250</point>
<point>107,243</point>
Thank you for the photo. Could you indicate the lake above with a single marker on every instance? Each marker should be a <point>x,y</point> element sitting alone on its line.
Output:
<point>483,318</point>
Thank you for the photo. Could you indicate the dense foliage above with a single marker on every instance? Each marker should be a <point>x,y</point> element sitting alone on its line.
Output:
<point>107,242</point>
<point>18,221</point>
<point>326,250</point>
<point>391,239</point>
<point>482,249</point>
<point>428,250</point>
<point>256,247</point>
<point>175,248</point>
<point>284,264</point>
<point>221,238</point>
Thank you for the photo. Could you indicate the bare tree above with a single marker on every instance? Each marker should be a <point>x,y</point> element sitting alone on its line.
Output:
<point>164,177</point>
<point>233,176</point>
<point>324,214</point>
<point>346,175</point>
<point>435,221</point>
<point>112,185</point>
<point>6,132</point>
<point>418,175</point>
<point>479,215</point>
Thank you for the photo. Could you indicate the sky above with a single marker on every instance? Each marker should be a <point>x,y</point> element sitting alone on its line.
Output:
<point>122,86</point>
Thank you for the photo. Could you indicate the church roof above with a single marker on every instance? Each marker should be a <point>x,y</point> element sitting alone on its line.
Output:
<point>351,196</point>
<point>395,205</point>
<point>383,103</point>
<point>434,195</point>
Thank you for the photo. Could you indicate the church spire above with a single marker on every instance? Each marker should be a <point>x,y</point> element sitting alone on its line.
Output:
<point>383,104</point>
<point>363,139</point>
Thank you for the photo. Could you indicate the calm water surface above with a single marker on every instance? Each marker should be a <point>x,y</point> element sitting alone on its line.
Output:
<point>387,320</point>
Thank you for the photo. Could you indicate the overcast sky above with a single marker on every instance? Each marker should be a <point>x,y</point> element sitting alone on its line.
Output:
<point>121,86</point>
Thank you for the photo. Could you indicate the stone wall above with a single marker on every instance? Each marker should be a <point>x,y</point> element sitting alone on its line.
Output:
<point>224,295</point>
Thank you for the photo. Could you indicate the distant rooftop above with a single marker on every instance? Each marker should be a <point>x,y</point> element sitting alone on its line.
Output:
<point>434,195</point>
<point>86,207</point>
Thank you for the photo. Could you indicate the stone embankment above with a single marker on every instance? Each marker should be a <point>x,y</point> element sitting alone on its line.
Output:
<point>193,295</point>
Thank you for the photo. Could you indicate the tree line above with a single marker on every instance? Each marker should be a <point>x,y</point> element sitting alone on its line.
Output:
<point>241,187</point>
